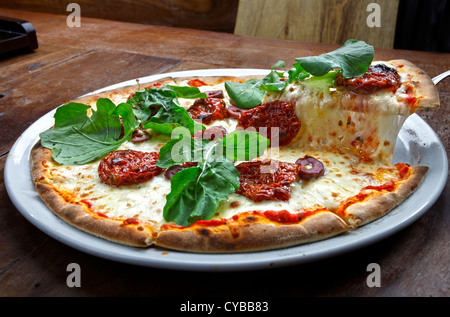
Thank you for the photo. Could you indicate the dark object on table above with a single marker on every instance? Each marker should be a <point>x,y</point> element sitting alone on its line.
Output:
<point>17,35</point>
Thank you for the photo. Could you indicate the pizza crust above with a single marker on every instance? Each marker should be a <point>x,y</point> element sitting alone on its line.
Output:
<point>77,214</point>
<point>377,206</point>
<point>253,236</point>
<point>424,88</point>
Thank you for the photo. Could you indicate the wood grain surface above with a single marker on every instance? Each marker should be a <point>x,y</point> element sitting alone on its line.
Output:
<point>211,15</point>
<point>73,61</point>
<point>319,21</point>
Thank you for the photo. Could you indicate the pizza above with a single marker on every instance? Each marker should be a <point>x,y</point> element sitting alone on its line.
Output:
<point>223,164</point>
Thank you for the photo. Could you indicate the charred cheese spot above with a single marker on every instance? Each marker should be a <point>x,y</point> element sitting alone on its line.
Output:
<point>235,204</point>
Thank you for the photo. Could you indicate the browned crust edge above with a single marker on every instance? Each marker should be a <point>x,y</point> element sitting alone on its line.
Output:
<point>253,236</point>
<point>424,87</point>
<point>76,215</point>
<point>376,207</point>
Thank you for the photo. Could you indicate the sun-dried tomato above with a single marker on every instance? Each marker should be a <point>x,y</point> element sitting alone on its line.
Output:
<point>266,180</point>
<point>128,167</point>
<point>376,78</point>
<point>208,110</point>
<point>278,117</point>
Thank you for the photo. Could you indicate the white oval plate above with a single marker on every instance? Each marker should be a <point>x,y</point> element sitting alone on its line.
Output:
<point>417,144</point>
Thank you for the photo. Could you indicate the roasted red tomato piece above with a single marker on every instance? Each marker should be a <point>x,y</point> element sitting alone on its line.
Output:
<point>279,119</point>
<point>196,83</point>
<point>128,167</point>
<point>266,180</point>
<point>377,77</point>
<point>208,110</point>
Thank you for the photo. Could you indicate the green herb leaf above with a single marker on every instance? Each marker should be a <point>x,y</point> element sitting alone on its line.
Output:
<point>272,82</point>
<point>297,73</point>
<point>353,58</point>
<point>77,138</point>
<point>196,192</point>
<point>244,145</point>
<point>182,149</point>
<point>245,95</point>
<point>170,114</point>
<point>251,93</point>
<point>187,92</point>
<point>240,145</point>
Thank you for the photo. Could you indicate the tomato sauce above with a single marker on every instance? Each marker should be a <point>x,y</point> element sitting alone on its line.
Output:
<point>196,83</point>
<point>283,216</point>
<point>363,194</point>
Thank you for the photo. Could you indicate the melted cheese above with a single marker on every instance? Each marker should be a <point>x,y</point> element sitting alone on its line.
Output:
<point>366,125</point>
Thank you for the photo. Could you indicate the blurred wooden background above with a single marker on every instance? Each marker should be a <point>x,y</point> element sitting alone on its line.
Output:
<point>212,15</point>
<point>318,21</point>
<point>406,24</point>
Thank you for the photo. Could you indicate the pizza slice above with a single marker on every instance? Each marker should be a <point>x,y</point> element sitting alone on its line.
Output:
<point>236,164</point>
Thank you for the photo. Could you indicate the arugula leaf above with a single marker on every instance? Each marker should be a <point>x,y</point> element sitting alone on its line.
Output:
<point>353,58</point>
<point>170,114</point>
<point>272,82</point>
<point>245,95</point>
<point>181,149</point>
<point>142,105</point>
<point>251,93</point>
<point>297,73</point>
<point>77,138</point>
<point>196,192</point>
<point>187,92</point>
<point>244,145</point>
<point>240,145</point>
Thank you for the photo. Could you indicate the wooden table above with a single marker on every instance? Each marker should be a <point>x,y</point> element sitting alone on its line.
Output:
<point>73,61</point>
